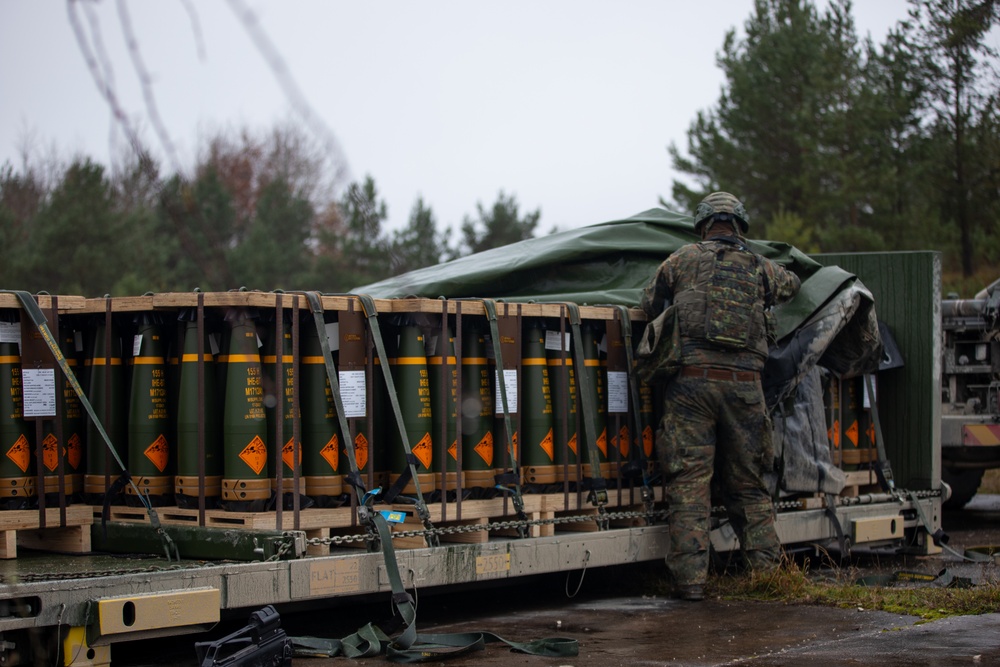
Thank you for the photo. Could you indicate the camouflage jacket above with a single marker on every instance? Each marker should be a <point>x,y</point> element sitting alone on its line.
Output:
<point>683,278</point>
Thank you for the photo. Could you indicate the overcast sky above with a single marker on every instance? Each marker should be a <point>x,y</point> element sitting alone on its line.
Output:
<point>569,105</point>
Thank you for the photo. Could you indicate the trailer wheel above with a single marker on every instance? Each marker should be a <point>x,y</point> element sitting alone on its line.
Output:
<point>964,483</point>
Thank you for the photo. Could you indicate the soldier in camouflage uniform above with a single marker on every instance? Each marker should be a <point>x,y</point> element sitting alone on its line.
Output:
<point>715,418</point>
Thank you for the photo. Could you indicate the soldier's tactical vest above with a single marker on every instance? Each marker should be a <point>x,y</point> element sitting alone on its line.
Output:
<point>723,305</point>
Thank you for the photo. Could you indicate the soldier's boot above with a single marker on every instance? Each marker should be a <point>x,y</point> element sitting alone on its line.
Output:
<point>690,592</point>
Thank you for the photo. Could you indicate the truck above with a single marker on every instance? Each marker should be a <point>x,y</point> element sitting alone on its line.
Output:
<point>970,387</point>
<point>461,425</point>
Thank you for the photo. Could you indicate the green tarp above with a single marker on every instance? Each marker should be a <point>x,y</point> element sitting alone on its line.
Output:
<point>831,323</point>
<point>606,263</point>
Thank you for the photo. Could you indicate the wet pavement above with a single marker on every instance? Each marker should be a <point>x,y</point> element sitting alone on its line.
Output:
<point>650,631</point>
<point>616,626</point>
<point>638,630</point>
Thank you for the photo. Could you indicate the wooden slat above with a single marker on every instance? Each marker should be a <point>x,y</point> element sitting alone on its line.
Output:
<point>66,303</point>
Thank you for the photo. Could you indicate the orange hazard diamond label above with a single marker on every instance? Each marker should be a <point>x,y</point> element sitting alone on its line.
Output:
<point>647,441</point>
<point>548,446</point>
<point>485,448</point>
<point>74,451</point>
<point>50,452</point>
<point>331,452</point>
<point>159,453</point>
<point>572,444</point>
<point>20,453</point>
<point>361,450</point>
<point>255,455</point>
<point>834,434</point>
<point>852,433</point>
<point>602,442</point>
<point>424,451</point>
<point>288,454</point>
<point>870,432</point>
<point>623,441</point>
<point>453,450</point>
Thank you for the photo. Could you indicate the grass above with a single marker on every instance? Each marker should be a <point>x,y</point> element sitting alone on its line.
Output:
<point>794,583</point>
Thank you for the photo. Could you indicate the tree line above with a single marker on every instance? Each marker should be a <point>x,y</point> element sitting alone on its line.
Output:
<point>260,211</point>
<point>835,143</point>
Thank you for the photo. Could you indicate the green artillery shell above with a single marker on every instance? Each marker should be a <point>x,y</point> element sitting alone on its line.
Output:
<point>107,393</point>
<point>17,458</point>
<point>537,440</point>
<point>244,423</point>
<point>411,377</point>
<point>189,430</point>
<point>477,407</point>
<point>322,452</point>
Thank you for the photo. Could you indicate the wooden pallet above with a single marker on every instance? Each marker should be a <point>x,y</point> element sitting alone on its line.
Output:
<point>308,518</point>
<point>325,523</point>
<point>859,482</point>
<point>23,528</point>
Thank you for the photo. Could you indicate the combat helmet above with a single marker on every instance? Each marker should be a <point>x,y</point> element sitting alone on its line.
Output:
<point>720,206</point>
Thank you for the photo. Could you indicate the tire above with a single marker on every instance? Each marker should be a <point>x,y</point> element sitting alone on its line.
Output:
<point>964,483</point>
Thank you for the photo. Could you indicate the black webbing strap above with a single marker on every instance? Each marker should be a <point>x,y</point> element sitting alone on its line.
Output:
<point>830,509</point>
<point>371,315</point>
<point>599,489</point>
<point>938,536</point>
<point>508,482</point>
<point>409,646</point>
<point>883,470</point>
<point>633,385</point>
<point>354,478</point>
<point>38,318</point>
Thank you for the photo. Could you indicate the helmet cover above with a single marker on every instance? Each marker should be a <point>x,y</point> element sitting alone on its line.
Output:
<point>722,206</point>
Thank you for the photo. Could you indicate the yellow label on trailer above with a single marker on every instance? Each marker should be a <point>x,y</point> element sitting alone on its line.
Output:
<point>335,577</point>
<point>492,564</point>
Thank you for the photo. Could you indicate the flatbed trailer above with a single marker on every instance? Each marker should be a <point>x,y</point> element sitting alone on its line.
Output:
<point>62,585</point>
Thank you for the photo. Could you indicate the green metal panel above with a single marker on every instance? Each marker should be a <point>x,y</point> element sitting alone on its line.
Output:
<point>907,291</point>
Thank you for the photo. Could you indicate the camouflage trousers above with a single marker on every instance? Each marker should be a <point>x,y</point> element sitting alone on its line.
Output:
<point>716,428</point>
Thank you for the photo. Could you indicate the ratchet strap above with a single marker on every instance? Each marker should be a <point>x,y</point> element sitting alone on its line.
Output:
<point>354,478</point>
<point>882,469</point>
<point>633,385</point>
<point>598,488</point>
<point>371,315</point>
<point>38,318</point>
<point>372,640</point>
<point>510,482</point>
<point>409,646</point>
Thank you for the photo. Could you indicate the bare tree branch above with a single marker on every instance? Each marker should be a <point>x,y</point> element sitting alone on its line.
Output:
<point>147,86</point>
<point>291,89</point>
<point>199,41</point>
<point>107,70</point>
<point>104,86</point>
